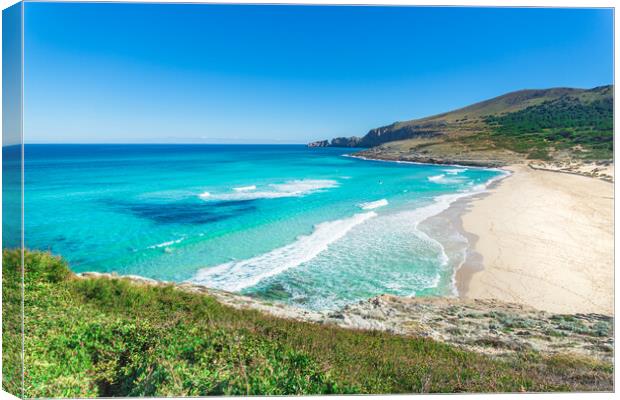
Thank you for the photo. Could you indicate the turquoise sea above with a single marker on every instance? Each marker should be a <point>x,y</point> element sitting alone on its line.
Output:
<point>311,227</point>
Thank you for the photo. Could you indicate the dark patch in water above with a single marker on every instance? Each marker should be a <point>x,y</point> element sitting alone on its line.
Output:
<point>68,245</point>
<point>271,291</point>
<point>192,213</point>
<point>78,261</point>
<point>232,203</point>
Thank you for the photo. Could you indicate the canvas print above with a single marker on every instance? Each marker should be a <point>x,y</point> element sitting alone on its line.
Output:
<point>209,199</point>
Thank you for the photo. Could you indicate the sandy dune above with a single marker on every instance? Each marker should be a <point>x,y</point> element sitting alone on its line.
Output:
<point>546,239</point>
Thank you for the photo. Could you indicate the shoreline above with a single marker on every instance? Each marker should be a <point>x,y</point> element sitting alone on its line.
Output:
<point>563,272</point>
<point>368,154</point>
<point>442,226</point>
<point>450,163</point>
<point>472,261</point>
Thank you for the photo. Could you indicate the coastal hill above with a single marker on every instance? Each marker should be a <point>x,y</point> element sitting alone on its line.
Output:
<point>544,124</point>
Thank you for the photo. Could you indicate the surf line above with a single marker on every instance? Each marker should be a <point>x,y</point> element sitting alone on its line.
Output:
<point>237,275</point>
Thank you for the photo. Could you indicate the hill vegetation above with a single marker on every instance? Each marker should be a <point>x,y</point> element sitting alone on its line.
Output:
<point>110,337</point>
<point>568,123</point>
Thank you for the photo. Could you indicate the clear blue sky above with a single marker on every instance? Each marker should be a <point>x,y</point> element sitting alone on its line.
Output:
<point>252,74</point>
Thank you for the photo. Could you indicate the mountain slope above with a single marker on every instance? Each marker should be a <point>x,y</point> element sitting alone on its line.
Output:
<point>466,116</point>
<point>540,124</point>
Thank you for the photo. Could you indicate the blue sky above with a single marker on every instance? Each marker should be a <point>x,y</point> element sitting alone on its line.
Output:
<point>255,74</point>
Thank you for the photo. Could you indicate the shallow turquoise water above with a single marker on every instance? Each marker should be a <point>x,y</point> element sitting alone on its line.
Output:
<point>306,226</point>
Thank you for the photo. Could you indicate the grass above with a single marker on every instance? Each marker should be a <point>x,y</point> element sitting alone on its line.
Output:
<point>102,337</point>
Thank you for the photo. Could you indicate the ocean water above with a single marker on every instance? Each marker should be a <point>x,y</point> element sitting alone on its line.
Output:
<point>311,227</point>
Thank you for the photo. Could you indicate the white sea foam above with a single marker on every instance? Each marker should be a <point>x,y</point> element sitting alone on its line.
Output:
<point>204,195</point>
<point>295,188</point>
<point>245,188</point>
<point>330,236</point>
<point>455,171</point>
<point>166,244</point>
<point>436,178</point>
<point>304,186</point>
<point>442,203</point>
<point>442,179</point>
<point>237,275</point>
<point>371,205</point>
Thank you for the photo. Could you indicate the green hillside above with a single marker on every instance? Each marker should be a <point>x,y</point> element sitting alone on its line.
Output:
<point>109,337</point>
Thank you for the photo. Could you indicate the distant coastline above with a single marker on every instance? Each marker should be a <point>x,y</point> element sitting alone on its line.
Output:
<point>377,156</point>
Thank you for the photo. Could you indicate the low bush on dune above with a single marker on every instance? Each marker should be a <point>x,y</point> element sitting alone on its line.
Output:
<point>111,337</point>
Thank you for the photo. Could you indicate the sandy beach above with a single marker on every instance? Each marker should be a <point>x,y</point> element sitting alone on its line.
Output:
<point>545,240</point>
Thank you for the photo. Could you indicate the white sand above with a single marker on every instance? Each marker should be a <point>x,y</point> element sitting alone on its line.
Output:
<point>546,239</point>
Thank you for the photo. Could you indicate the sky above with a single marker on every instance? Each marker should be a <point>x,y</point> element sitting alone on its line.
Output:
<point>180,73</point>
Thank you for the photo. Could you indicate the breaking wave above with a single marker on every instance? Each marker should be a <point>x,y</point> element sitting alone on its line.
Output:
<point>245,188</point>
<point>295,188</point>
<point>166,244</point>
<point>237,275</point>
<point>442,179</point>
<point>371,205</point>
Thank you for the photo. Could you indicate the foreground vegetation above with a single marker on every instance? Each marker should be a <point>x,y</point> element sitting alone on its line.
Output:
<point>109,337</point>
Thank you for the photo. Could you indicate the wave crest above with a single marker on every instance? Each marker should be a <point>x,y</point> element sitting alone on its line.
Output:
<point>371,205</point>
<point>455,171</point>
<point>166,244</point>
<point>245,188</point>
<point>295,188</point>
<point>442,179</point>
<point>236,275</point>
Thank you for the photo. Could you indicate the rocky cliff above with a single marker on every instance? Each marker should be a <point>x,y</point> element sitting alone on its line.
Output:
<point>352,141</point>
